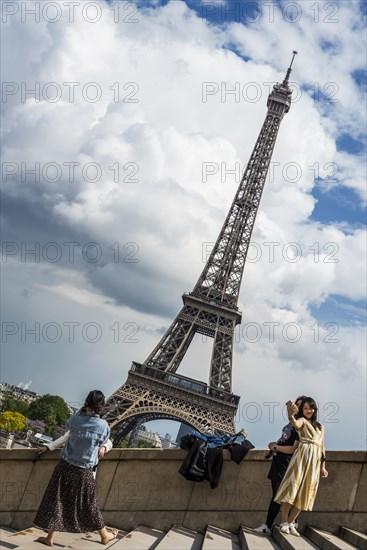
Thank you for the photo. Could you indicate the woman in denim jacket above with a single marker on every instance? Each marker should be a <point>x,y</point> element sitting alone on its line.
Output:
<point>70,502</point>
<point>60,442</point>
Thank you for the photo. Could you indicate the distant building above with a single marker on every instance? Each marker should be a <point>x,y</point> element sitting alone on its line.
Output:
<point>167,442</point>
<point>146,436</point>
<point>19,393</point>
<point>72,409</point>
<point>26,395</point>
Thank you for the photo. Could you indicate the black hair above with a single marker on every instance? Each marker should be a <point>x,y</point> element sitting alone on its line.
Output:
<point>300,398</point>
<point>95,400</point>
<point>313,419</point>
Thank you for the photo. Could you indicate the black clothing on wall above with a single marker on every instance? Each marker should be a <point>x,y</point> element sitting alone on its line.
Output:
<point>205,462</point>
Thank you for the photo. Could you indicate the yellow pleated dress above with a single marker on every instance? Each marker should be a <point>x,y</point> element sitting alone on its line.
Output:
<point>301,480</point>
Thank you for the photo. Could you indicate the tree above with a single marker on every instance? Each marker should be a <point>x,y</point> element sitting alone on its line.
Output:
<point>145,445</point>
<point>11,403</point>
<point>52,409</point>
<point>37,426</point>
<point>59,432</point>
<point>12,421</point>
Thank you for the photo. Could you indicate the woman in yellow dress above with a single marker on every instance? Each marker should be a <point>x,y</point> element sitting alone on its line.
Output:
<point>298,489</point>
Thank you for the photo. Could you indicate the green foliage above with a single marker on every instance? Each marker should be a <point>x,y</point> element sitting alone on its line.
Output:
<point>140,445</point>
<point>10,403</point>
<point>52,409</point>
<point>145,445</point>
<point>12,421</point>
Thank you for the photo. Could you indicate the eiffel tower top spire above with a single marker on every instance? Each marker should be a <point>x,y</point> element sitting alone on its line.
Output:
<point>286,78</point>
<point>221,277</point>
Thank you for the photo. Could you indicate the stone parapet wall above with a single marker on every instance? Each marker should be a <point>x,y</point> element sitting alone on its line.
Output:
<point>143,486</point>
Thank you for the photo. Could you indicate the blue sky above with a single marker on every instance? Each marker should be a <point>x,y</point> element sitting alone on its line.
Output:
<point>119,215</point>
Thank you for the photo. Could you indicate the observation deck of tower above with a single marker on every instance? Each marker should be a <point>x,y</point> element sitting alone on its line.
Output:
<point>153,389</point>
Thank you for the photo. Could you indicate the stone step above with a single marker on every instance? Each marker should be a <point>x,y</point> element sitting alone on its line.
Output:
<point>142,538</point>
<point>219,539</point>
<point>290,542</point>
<point>38,546</point>
<point>62,540</point>
<point>354,537</point>
<point>180,538</point>
<point>27,540</point>
<point>89,541</point>
<point>5,533</point>
<point>24,537</point>
<point>250,540</point>
<point>6,545</point>
<point>327,541</point>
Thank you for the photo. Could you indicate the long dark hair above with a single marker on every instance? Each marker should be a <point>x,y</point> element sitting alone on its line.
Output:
<point>313,419</point>
<point>95,400</point>
<point>300,398</point>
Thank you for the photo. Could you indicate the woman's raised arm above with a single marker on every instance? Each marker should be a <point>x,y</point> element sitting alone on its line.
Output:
<point>292,409</point>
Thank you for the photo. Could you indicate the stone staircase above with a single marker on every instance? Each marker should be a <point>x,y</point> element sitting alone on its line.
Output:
<point>180,538</point>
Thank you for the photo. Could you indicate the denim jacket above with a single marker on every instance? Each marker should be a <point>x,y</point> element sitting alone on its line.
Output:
<point>88,432</point>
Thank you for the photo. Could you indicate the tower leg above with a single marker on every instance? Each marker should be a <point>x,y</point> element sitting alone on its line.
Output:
<point>221,361</point>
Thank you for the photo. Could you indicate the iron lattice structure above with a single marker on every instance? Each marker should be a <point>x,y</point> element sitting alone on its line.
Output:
<point>154,389</point>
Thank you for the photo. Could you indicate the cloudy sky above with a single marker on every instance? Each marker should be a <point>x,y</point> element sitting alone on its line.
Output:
<point>126,128</point>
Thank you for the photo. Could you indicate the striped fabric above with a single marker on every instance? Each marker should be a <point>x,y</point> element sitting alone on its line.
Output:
<point>301,480</point>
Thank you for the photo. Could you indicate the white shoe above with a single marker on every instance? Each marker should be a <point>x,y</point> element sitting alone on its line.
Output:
<point>284,528</point>
<point>293,530</point>
<point>263,529</point>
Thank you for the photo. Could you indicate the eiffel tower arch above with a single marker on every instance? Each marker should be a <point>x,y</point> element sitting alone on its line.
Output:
<point>153,389</point>
<point>149,394</point>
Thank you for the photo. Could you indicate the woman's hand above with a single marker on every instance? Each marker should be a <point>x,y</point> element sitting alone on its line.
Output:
<point>101,452</point>
<point>291,408</point>
<point>324,472</point>
<point>41,450</point>
<point>272,445</point>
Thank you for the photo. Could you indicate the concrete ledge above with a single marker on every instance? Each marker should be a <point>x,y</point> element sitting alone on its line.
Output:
<point>143,486</point>
<point>168,454</point>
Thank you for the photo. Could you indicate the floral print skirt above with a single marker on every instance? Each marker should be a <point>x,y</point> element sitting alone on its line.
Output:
<point>70,501</point>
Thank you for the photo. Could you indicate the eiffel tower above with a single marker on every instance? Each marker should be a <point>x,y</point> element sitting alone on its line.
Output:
<point>153,389</point>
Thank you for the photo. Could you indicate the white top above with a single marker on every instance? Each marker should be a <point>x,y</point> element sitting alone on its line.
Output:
<point>53,445</point>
